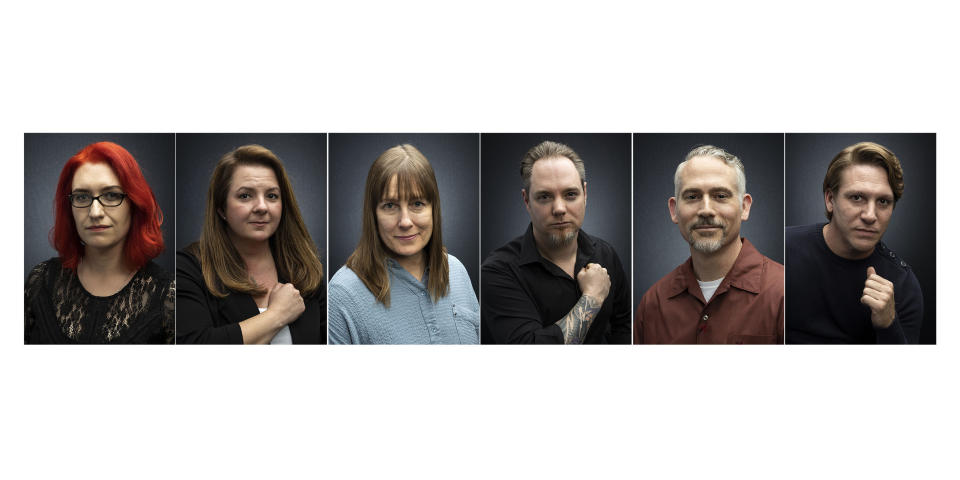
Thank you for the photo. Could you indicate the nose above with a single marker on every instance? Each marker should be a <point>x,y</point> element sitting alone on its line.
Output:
<point>706,207</point>
<point>405,220</point>
<point>559,207</point>
<point>95,210</point>
<point>261,205</point>
<point>869,213</point>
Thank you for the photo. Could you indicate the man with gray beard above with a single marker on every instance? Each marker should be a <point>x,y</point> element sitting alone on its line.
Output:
<point>726,292</point>
<point>555,283</point>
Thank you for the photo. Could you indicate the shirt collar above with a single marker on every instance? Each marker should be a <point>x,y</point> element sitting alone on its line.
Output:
<point>402,276</point>
<point>745,274</point>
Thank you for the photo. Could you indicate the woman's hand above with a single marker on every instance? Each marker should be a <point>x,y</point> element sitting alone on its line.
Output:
<point>285,301</point>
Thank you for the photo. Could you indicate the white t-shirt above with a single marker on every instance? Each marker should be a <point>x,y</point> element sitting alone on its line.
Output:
<point>283,336</point>
<point>708,288</point>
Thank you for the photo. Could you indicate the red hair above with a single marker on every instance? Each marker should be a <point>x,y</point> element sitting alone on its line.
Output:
<point>145,239</point>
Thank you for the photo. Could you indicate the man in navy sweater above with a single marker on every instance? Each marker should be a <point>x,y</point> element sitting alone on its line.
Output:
<point>843,284</point>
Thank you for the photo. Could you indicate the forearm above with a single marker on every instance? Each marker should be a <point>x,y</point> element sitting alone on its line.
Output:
<point>576,323</point>
<point>260,329</point>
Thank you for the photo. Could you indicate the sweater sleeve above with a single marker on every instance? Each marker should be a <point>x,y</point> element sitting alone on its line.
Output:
<point>905,328</point>
<point>194,318</point>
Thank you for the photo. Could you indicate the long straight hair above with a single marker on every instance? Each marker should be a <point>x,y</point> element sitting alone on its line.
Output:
<point>415,178</point>
<point>294,252</point>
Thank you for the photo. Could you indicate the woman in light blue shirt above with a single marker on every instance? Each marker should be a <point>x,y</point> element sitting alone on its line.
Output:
<point>400,286</point>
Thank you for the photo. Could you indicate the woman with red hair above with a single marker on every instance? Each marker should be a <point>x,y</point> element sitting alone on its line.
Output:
<point>103,288</point>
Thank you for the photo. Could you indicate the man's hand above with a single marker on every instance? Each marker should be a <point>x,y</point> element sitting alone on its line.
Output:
<point>878,295</point>
<point>594,281</point>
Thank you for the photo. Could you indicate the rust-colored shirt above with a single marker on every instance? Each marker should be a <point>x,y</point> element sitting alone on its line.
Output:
<point>746,308</point>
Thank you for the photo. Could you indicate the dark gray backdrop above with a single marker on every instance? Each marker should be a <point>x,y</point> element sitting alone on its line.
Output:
<point>606,158</point>
<point>912,232</point>
<point>304,157</point>
<point>455,162</point>
<point>44,155</point>
<point>659,246</point>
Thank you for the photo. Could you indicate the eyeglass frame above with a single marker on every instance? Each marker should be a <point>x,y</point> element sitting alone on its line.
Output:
<point>123,197</point>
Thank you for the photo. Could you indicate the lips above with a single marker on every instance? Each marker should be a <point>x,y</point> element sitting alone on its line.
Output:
<point>406,238</point>
<point>98,228</point>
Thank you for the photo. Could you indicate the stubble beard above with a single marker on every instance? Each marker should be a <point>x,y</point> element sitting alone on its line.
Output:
<point>706,245</point>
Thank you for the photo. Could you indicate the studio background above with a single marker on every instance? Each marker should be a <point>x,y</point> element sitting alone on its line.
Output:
<point>455,163</point>
<point>303,156</point>
<point>606,159</point>
<point>913,226</point>
<point>45,154</point>
<point>659,246</point>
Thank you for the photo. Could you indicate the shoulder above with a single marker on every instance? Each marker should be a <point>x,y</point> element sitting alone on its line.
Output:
<point>43,269</point>
<point>802,232</point>
<point>189,272</point>
<point>346,283</point>
<point>40,274</point>
<point>504,256</point>
<point>894,263</point>
<point>455,264</point>
<point>663,287</point>
<point>152,270</point>
<point>186,259</point>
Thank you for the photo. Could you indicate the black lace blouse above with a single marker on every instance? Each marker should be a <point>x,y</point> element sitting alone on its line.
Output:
<point>59,310</point>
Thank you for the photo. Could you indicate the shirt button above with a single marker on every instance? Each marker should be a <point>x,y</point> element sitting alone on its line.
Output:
<point>705,317</point>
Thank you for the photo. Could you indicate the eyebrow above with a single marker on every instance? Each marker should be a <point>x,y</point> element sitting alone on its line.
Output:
<point>108,187</point>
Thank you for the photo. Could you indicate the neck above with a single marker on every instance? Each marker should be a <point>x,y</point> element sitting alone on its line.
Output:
<point>415,264</point>
<point>711,266</point>
<point>836,244</point>
<point>104,261</point>
<point>557,255</point>
<point>251,251</point>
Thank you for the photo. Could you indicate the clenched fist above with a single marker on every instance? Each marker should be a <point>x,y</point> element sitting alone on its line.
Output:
<point>594,281</point>
<point>878,295</point>
<point>285,299</point>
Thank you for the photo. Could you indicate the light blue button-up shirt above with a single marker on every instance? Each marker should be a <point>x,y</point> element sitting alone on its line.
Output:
<point>354,315</point>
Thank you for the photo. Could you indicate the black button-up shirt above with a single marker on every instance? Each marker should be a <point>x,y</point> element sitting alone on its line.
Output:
<point>523,295</point>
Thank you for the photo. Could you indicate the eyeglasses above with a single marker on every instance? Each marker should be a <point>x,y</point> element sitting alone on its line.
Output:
<point>108,199</point>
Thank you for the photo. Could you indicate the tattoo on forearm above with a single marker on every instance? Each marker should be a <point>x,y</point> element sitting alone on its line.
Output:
<point>576,323</point>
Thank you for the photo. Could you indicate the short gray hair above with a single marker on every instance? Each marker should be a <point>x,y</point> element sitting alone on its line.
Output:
<point>549,149</point>
<point>720,154</point>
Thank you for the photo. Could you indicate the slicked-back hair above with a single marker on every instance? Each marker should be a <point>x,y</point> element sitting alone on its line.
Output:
<point>720,154</point>
<point>548,149</point>
<point>294,253</point>
<point>864,153</point>
<point>415,179</point>
<point>144,240</point>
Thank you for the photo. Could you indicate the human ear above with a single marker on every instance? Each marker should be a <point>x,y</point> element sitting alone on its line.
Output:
<point>747,201</point>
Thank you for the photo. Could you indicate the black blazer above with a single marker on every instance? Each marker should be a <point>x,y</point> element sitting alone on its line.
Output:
<point>204,318</point>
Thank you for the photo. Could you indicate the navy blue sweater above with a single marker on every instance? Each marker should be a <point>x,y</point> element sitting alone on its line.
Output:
<point>824,290</point>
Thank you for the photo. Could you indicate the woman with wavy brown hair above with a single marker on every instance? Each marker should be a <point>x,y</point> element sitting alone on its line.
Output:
<point>400,285</point>
<point>255,275</point>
